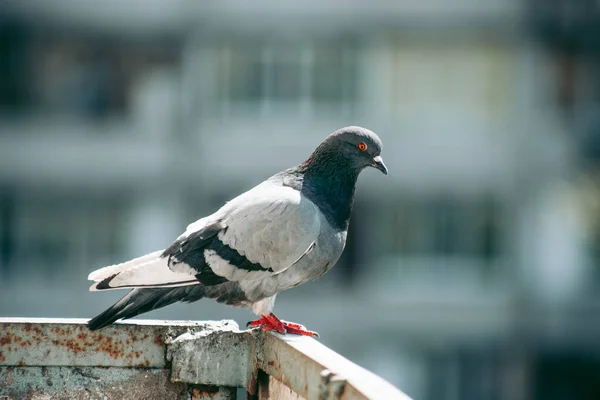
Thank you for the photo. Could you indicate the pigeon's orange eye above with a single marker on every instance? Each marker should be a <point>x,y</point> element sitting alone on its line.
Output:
<point>362,146</point>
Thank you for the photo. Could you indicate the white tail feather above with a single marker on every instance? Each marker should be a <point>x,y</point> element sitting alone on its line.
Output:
<point>105,272</point>
<point>153,273</point>
<point>94,288</point>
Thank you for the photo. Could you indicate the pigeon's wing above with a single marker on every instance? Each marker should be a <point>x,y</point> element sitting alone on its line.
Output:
<point>258,234</point>
<point>266,233</point>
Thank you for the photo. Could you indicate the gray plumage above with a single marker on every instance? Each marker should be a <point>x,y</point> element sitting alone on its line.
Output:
<point>288,230</point>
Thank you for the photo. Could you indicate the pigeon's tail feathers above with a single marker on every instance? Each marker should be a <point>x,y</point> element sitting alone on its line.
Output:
<point>149,271</point>
<point>139,301</point>
<point>129,306</point>
<point>105,272</point>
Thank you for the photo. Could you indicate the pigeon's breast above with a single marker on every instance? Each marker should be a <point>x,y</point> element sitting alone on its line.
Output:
<point>325,254</point>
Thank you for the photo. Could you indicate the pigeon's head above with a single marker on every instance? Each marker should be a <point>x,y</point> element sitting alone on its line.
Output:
<point>357,147</point>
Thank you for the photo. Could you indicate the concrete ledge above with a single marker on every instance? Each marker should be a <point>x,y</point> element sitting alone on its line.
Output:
<point>218,354</point>
<point>174,360</point>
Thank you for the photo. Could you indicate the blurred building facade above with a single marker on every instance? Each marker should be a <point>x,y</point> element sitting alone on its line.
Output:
<point>470,270</point>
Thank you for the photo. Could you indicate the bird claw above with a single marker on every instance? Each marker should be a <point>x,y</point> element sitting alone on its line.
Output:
<point>272,323</point>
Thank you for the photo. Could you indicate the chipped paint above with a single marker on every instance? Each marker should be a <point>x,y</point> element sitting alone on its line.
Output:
<point>71,343</point>
<point>210,392</point>
<point>217,355</point>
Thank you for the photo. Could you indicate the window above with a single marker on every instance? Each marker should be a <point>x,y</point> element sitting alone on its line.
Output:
<point>7,205</point>
<point>47,234</point>
<point>83,75</point>
<point>241,76</point>
<point>588,196</point>
<point>267,74</point>
<point>458,74</point>
<point>14,80</point>
<point>333,74</point>
<point>468,374</point>
<point>445,226</point>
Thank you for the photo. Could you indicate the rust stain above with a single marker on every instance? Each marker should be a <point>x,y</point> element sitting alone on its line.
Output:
<point>21,363</point>
<point>201,391</point>
<point>6,339</point>
<point>28,328</point>
<point>78,341</point>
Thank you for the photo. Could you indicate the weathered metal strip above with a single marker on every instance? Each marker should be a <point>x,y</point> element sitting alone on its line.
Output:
<point>68,342</point>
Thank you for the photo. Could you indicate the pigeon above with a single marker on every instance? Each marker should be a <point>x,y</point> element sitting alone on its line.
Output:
<point>288,230</point>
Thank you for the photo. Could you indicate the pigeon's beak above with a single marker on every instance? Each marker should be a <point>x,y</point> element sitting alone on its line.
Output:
<point>378,163</point>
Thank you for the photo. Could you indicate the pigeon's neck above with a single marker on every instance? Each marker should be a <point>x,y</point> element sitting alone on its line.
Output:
<point>330,184</point>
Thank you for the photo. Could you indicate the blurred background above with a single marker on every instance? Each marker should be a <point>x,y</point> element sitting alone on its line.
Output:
<point>471,271</point>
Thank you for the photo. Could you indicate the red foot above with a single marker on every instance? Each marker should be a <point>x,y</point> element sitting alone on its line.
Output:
<point>272,323</point>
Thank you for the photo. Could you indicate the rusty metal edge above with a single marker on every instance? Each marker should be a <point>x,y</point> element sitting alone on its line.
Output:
<point>68,342</point>
<point>83,321</point>
<point>315,372</point>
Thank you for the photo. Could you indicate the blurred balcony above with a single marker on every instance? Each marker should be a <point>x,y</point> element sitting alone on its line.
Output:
<point>175,17</point>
